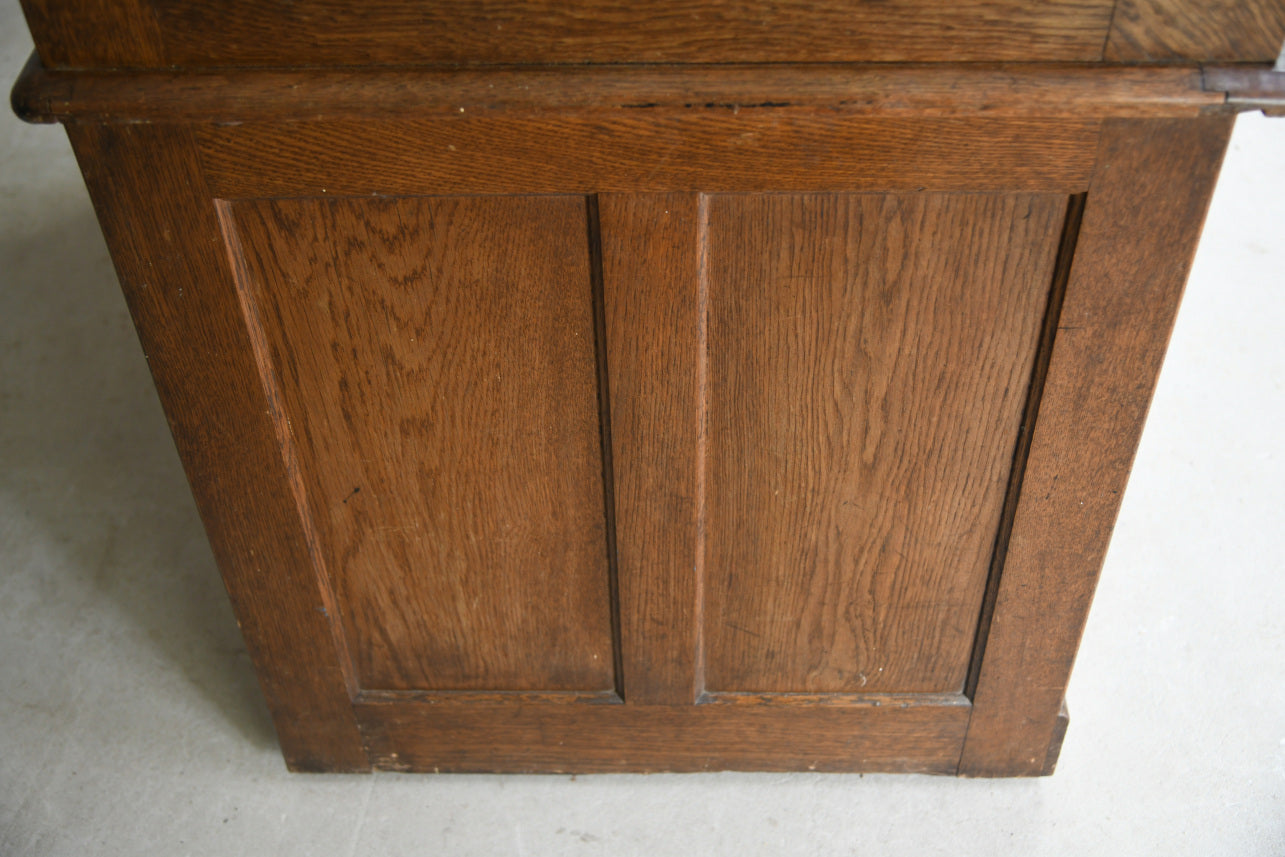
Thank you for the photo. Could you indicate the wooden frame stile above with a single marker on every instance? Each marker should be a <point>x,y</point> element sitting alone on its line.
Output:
<point>1142,216</point>
<point>1137,190</point>
<point>173,263</point>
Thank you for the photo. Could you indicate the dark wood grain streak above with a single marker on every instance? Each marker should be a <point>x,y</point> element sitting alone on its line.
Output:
<point>969,90</point>
<point>161,225</point>
<point>437,364</point>
<point>774,152</point>
<point>703,440</point>
<point>651,248</point>
<point>1202,30</point>
<point>593,222</point>
<point>870,356</point>
<point>922,738</point>
<point>1035,393</point>
<point>1141,221</point>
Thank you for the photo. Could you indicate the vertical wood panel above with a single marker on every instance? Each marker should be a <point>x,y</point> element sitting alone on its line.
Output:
<point>438,371</point>
<point>1141,221</point>
<point>870,356</point>
<point>162,228</point>
<point>651,284</point>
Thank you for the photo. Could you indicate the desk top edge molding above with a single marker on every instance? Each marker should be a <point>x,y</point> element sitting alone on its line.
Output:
<point>926,89</point>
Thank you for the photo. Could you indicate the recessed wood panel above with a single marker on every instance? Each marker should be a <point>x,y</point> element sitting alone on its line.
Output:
<point>869,357</point>
<point>438,380</point>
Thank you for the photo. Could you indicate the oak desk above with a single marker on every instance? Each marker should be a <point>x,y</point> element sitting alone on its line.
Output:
<point>668,386</point>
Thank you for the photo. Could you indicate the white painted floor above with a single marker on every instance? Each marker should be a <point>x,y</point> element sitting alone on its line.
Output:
<point>131,724</point>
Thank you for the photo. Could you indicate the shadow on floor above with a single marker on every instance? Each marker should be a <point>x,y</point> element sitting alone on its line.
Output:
<point>85,452</point>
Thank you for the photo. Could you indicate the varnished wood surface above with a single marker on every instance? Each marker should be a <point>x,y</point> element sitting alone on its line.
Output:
<point>96,34</point>
<point>869,358</point>
<point>1141,221</point>
<point>840,700</point>
<point>1030,410</point>
<point>202,33</point>
<point>634,417</point>
<point>437,365</point>
<point>651,254</point>
<point>750,151</point>
<point>508,698</point>
<point>922,737</point>
<point>1033,90</point>
<point>1205,30</point>
<point>165,239</point>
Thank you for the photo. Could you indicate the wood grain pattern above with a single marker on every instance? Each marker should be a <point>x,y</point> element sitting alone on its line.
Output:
<point>843,700</point>
<point>1203,30</point>
<point>770,152</point>
<point>1072,91</point>
<point>82,34</point>
<point>201,34</point>
<point>165,239</point>
<point>1035,392</point>
<point>552,408</point>
<point>921,737</point>
<point>1141,221</point>
<point>438,370</point>
<point>393,32</point>
<point>869,357</point>
<point>651,257</point>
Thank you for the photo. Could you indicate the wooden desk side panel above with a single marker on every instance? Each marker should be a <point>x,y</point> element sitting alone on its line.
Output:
<point>1142,220</point>
<point>229,403</point>
<point>156,197</point>
<point>869,358</point>
<point>437,369</point>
